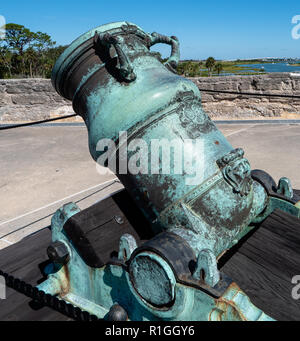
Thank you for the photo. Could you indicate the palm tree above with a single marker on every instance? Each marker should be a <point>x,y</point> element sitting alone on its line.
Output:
<point>219,68</point>
<point>210,63</point>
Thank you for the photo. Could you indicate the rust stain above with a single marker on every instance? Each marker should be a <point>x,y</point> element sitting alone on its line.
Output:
<point>225,306</point>
<point>65,285</point>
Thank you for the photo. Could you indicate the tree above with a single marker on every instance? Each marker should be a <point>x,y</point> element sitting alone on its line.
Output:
<point>27,53</point>
<point>32,61</point>
<point>17,37</point>
<point>189,68</point>
<point>40,46</point>
<point>42,41</point>
<point>209,64</point>
<point>5,62</point>
<point>52,54</point>
<point>219,68</point>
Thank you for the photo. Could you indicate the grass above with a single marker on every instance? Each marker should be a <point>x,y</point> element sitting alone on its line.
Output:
<point>235,67</point>
<point>197,68</point>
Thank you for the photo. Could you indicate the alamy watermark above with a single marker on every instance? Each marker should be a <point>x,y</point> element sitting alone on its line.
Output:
<point>296,288</point>
<point>159,156</point>
<point>296,28</point>
<point>2,27</point>
<point>2,288</point>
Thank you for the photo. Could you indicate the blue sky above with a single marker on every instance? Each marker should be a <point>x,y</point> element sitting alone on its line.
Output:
<point>223,29</point>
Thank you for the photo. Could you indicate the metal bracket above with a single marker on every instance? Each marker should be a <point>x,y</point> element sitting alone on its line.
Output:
<point>207,269</point>
<point>285,188</point>
<point>127,246</point>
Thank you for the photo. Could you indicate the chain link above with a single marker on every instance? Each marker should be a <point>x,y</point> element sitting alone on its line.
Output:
<point>48,300</point>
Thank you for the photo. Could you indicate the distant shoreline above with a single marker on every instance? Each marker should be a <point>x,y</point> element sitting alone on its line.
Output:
<point>244,67</point>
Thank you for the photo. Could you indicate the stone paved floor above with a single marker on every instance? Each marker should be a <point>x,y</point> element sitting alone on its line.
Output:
<point>43,167</point>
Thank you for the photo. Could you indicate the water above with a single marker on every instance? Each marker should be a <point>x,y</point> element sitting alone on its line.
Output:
<point>268,67</point>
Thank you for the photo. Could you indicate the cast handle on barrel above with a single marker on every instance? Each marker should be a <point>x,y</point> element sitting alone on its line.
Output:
<point>125,68</point>
<point>173,61</point>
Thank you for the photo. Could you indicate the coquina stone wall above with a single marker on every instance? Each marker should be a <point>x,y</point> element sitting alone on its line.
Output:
<point>219,105</point>
<point>35,99</point>
<point>30,100</point>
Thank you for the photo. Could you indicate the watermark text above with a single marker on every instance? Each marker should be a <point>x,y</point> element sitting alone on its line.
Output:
<point>2,27</point>
<point>159,156</point>
<point>296,28</point>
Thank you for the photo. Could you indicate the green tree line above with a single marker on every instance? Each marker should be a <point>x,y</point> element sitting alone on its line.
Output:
<point>24,53</point>
<point>200,68</point>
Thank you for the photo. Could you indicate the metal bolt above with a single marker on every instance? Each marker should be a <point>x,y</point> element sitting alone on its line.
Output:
<point>117,313</point>
<point>119,219</point>
<point>58,253</point>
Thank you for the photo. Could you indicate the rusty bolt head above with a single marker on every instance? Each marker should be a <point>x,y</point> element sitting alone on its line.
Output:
<point>58,253</point>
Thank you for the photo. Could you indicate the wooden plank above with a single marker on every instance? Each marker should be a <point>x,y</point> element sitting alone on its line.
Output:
<point>265,263</point>
<point>20,257</point>
<point>271,251</point>
<point>26,260</point>
<point>297,191</point>
<point>106,239</point>
<point>267,291</point>
<point>98,214</point>
<point>96,231</point>
<point>135,217</point>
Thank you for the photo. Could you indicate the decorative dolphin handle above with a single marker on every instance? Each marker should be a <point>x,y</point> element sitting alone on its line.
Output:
<point>173,61</point>
<point>106,39</point>
<point>126,69</point>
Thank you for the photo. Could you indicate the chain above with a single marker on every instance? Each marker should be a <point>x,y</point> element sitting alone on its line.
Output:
<point>48,300</point>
